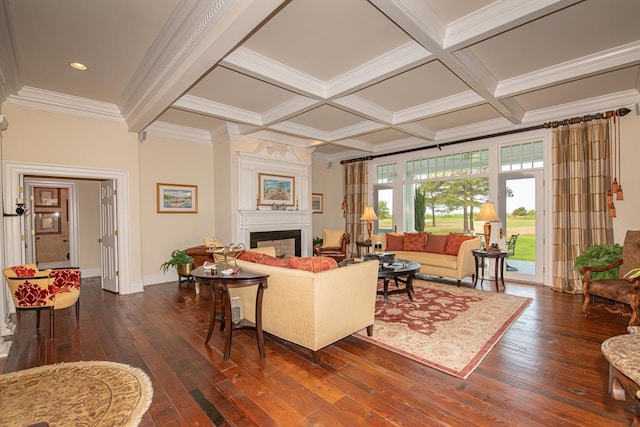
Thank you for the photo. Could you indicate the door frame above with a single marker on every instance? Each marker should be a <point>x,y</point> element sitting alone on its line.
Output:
<point>13,184</point>
<point>31,182</point>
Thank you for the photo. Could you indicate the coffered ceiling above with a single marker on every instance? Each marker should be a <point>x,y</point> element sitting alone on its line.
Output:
<point>348,77</point>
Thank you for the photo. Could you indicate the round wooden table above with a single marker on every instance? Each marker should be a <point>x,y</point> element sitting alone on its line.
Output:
<point>396,271</point>
<point>499,255</point>
<point>220,284</point>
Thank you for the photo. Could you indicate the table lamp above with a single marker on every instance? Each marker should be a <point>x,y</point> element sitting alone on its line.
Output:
<point>369,215</point>
<point>487,213</point>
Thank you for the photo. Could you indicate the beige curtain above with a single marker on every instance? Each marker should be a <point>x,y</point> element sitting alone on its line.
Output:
<point>581,178</point>
<point>355,199</point>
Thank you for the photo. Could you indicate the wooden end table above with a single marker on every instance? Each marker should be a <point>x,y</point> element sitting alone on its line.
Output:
<point>220,284</point>
<point>499,255</point>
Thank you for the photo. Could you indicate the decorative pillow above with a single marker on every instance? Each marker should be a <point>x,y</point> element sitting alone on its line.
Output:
<point>314,264</point>
<point>212,241</point>
<point>453,243</point>
<point>413,242</point>
<point>251,256</point>
<point>332,238</point>
<point>275,261</point>
<point>394,242</point>
<point>436,243</point>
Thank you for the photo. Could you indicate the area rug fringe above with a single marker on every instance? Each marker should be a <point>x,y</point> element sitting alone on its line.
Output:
<point>437,330</point>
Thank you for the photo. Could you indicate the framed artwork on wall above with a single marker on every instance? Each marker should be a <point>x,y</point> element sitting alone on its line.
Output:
<point>276,189</point>
<point>317,202</point>
<point>48,223</point>
<point>46,197</point>
<point>177,198</point>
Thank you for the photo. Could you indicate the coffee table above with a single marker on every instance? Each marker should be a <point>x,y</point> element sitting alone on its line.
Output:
<point>221,284</point>
<point>397,270</point>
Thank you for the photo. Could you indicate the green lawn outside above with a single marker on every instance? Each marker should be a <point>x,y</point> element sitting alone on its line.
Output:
<point>525,227</point>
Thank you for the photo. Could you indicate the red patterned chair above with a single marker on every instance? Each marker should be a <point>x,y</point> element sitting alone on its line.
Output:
<point>32,289</point>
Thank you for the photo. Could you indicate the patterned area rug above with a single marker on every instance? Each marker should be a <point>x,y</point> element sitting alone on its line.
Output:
<point>445,327</point>
<point>75,393</point>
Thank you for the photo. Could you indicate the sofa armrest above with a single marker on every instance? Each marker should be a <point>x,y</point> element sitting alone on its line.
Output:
<point>466,261</point>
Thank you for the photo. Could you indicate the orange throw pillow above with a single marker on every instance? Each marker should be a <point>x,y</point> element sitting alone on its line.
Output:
<point>276,262</point>
<point>453,243</point>
<point>251,256</point>
<point>414,242</point>
<point>314,264</point>
<point>394,242</point>
<point>436,243</point>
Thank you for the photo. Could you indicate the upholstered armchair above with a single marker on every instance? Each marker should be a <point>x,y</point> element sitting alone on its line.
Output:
<point>334,244</point>
<point>621,290</point>
<point>32,289</point>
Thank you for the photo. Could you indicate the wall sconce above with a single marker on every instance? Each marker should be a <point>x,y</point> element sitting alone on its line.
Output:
<point>20,210</point>
<point>487,213</point>
<point>369,215</point>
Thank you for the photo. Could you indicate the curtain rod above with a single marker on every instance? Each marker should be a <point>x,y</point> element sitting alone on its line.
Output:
<point>619,112</point>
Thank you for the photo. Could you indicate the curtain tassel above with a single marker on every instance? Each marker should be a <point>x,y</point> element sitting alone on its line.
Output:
<point>612,210</point>
<point>619,194</point>
<point>609,198</point>
<point>614,186</point>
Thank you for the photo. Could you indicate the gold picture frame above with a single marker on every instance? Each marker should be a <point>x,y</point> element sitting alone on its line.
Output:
<point>276,189</point>
<point>176,198</point>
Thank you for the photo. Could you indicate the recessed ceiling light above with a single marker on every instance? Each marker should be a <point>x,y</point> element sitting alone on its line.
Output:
<point>78,66</point>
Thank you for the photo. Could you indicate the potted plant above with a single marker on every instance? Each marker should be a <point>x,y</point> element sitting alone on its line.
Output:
<point>600,256</point>
<point>182,262</point>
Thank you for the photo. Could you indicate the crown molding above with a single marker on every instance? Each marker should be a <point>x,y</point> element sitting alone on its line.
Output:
<point>66,104</point>
<point>180,133</point>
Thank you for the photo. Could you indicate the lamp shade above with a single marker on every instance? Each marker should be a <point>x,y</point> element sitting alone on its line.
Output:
<point>369,214</point>
<point>487,213</point>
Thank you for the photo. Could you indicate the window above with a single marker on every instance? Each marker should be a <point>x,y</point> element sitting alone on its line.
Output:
<point>527,155</point>
<point>449,165</point>
<point>386,173</point>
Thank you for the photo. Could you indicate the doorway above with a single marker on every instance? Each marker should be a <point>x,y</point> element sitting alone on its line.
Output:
<point>521,204</point>
<point>15,231</point>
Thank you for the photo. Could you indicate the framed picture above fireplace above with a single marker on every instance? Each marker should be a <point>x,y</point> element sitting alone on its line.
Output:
<point>276,189</point>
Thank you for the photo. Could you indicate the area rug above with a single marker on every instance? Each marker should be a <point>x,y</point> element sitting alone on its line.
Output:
<point>445,327</point>
<point>96,393</point>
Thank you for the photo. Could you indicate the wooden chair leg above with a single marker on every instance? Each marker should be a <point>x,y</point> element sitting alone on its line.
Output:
<point>51,317</point>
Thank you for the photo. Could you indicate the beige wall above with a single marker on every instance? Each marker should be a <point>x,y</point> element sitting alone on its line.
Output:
<point>327,180</point>
<point>627,210</point>
<point>172,162</point>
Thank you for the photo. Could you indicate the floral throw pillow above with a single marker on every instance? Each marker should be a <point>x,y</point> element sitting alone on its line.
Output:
<point>453,243</point>
<point>251,256</point>
<point>395,242</point>
<point>414,242</point>
<point>275,261</point>
<point>314,264</point>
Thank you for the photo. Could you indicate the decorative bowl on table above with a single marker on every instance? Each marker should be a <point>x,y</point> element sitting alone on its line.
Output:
<point>225,254</point>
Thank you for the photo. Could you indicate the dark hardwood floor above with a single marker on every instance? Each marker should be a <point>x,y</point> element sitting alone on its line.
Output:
<point>546,370</point>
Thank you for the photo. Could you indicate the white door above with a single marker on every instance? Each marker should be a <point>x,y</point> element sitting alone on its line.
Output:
<point>522,209</point>
<point>109,233</point>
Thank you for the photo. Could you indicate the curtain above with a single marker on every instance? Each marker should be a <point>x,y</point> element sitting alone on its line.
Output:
<point>581,178</point>
<point>355,199</point>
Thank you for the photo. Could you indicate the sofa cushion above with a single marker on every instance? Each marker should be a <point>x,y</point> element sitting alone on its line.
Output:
<point>314,264</point>
<point>453,243</point>
<point>413,242</point>
<point>275,261</point>
<point>332,238</point>
<point>394,242</point>
<point>249,256</point>
<point>436,243</point>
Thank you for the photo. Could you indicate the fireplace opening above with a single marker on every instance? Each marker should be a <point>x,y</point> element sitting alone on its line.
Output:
<point>286,242</point>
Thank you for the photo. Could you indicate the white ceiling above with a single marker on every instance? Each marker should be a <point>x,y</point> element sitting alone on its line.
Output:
<point>348,77</point>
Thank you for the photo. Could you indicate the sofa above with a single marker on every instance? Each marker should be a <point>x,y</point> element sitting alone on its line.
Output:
<point>312,309</point>
<point>445,255</point>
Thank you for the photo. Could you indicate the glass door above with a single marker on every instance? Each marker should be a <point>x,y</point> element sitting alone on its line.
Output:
<point>383,205</point>
<point>521,208</point>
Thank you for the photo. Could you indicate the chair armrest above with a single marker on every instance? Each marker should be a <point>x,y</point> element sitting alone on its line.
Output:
<point>588,268</point>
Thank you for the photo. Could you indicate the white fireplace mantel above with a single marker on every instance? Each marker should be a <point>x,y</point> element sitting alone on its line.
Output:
<point>273,220</point>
